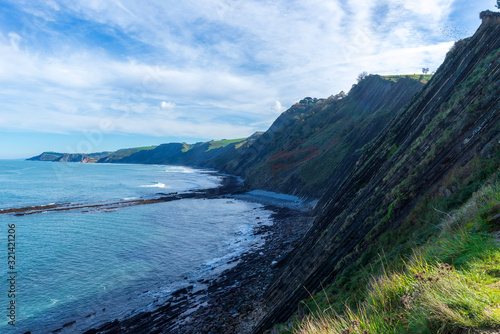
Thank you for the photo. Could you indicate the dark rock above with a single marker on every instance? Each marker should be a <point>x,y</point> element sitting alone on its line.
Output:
<point>495,219</point>
<point>69,323</point>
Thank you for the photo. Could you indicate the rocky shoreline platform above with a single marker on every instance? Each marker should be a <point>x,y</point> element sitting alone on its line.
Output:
<point>229,185</point>
<point>229,302</point>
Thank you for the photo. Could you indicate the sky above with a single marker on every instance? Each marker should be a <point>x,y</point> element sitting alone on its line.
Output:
<point>98,75</point>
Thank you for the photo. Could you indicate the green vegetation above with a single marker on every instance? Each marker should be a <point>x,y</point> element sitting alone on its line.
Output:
<point>186,147</point>
<point>423,240</point>
<point>224,142</point>
<point>424,78</point>
<point>449,283</point>
<point>316,135</point>
<point>52,155</point>
<point>127,152</point>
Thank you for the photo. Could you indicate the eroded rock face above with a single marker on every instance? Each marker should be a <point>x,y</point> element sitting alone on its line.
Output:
<point>454,119</point>
<point>298,152</point>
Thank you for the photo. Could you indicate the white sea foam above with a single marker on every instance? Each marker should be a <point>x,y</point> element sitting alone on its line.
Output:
<point>179,169</point>
<point>156,185</point>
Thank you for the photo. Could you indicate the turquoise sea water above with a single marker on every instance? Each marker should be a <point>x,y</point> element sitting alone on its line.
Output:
<point>96,266</point>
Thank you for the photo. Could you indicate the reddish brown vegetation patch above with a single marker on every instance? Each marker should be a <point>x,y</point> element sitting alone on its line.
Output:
<point>285,160</point>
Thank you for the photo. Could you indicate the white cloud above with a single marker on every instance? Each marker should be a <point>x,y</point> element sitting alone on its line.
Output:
<point>226,64</point>
<point>436,9</point>
<point>14,40</point>
<point>167,105</point>
<point>278,108</point>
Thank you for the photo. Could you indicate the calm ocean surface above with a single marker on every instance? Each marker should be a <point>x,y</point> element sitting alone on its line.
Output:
<point>94,267</point>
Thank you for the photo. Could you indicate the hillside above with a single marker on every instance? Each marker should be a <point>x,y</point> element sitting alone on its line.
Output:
<point>90,157</point>
<point>429,160</point>
<point>450,284</point>
<point>204,154</point>
<point>300,150</point>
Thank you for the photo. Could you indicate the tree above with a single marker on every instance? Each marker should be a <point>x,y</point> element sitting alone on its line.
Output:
<point>498,4</point>
<point>364,74</point>
<point>425,70</point>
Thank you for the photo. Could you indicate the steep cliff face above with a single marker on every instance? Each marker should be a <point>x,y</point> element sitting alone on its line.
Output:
<point>296,155</point>
<point>452,122</point>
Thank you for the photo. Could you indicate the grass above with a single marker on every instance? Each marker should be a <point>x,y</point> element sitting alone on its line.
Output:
<point>53,154</point>
<point>424,78</point>
<point>129,151</point>
<point>224,142</point>
<point>449,284</point>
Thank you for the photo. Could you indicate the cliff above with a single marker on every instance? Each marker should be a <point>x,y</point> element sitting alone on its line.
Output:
<point>440,147</point>
<point>300,150</point>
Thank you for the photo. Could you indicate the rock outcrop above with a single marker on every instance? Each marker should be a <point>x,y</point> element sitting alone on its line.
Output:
<point>300,150</point>
<point>454,119</point>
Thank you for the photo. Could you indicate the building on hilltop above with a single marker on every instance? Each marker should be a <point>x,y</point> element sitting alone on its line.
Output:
<point>489,16</point>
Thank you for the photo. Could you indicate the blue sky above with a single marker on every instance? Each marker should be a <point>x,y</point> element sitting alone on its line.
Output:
<point>96,75</point>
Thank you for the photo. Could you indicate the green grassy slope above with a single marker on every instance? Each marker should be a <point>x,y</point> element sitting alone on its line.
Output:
<point>424,78</point>
<point>401,277</point>
<point>224,142</point>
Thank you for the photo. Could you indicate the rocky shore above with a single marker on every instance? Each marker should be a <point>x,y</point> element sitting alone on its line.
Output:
<point>230,301</point>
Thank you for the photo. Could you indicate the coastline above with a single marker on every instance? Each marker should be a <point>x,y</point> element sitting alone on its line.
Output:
<point>231,298</point>
<point>229,185</point>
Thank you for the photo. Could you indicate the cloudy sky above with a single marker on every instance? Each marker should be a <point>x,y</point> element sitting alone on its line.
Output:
<point>94,75</point>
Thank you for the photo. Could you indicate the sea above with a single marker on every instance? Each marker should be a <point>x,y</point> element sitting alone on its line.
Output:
<point>94,266</point>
